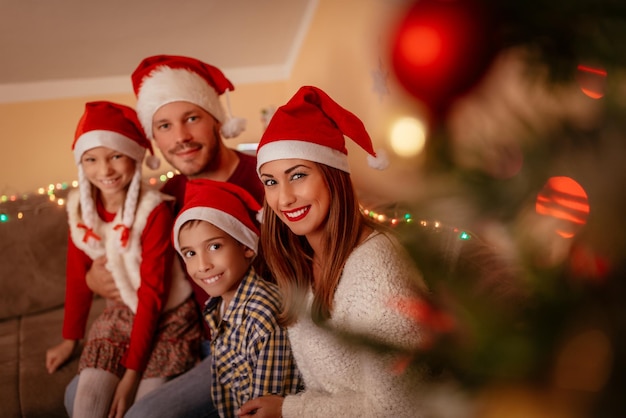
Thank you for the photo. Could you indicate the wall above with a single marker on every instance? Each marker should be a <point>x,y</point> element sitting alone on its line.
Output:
<point>346,42</point>
<point>38,136</point>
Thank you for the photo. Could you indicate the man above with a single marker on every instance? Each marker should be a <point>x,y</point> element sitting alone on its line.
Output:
<point>179,108</point>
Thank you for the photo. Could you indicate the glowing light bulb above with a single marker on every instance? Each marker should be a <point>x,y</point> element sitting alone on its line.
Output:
<point>408,136</point>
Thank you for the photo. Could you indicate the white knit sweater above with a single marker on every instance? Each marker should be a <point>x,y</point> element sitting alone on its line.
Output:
<point>347,378</point>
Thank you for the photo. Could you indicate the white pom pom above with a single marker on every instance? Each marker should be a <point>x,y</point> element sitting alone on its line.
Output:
<point>153,162</point>
<point>259,216</point>
<point>233,127</point>
<point>380,162</point>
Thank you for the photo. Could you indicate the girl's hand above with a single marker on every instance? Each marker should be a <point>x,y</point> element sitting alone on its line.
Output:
<point>125,394</point>
<point>270,406</point>
<point>56,356</point>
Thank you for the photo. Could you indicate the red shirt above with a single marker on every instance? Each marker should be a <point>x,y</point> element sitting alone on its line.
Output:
<point>157,255</point>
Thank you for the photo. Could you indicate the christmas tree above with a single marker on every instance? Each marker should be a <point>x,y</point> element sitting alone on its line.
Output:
<point>520,234</point>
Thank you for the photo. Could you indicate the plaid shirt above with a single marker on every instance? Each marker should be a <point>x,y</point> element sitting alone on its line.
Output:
<point>251,354</point>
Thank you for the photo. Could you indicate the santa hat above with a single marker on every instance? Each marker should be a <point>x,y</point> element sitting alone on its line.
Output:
<point>311,126</point>
<point>115,126</point>
<point>163,79</point>
<point>225,205</point>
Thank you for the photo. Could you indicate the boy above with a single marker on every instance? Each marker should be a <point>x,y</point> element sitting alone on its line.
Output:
<point>217,236</point>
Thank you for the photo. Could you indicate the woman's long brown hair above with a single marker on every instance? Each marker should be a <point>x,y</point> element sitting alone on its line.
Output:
<point>290,257</point>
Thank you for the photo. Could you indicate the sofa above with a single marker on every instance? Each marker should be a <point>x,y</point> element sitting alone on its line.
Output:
<point>33,242</point>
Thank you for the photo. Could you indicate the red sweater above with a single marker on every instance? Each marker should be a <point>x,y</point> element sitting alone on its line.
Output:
<point>157,255</point>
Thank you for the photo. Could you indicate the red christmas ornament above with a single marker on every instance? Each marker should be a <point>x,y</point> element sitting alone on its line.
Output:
<point>441,49</point>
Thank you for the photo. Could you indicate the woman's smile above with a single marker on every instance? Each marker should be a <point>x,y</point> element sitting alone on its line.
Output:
<point>296,214</point>
<point>297,192</point>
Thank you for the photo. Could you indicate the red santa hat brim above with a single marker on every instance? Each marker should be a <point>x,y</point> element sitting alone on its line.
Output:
<point>162,79</point>
<point>312,126</point>
<point>222,220</point>
<point>166,85</point>
<point>286,149</point>
<point>115,126</point>
<point>109,139</point>
<point>225,205</point>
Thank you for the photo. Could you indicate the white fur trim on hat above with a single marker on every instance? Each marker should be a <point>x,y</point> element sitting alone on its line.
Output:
<point>233,127</point>
<point>380,161</point>
<point>286,149</point>
<point>222,220</point>
<point>153,162</point>
<point>167,85</point>
<point>109,139</point>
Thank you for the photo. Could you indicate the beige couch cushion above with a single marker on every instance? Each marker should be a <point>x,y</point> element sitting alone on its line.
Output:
<point>9,367</point>
<point>23,344</point>
<point>32,256</point>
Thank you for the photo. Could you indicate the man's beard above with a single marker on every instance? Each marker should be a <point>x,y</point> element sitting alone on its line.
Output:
<point>211,157</point>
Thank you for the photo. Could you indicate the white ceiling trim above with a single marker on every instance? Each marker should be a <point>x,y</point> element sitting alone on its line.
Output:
<point>63,89</point>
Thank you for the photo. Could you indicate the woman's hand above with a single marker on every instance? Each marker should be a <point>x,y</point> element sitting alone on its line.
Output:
<point>59,354</point>
<point>125,394</point>
<point>270,406</point>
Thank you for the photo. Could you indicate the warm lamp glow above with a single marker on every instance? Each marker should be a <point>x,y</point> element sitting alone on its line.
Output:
<point>408,136</point>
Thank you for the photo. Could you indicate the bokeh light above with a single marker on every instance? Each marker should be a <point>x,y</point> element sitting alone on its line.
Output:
<point>563,199</point>
<point>408,136</point>
<point>592,81</point>
<point>586,263</point>
<point>584,362</point>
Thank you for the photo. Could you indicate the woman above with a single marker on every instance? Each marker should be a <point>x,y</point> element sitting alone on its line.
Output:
<point>340,274</point>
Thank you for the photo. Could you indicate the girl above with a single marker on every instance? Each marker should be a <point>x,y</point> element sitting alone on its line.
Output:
<point>339,273</point>
<point>152,331</point>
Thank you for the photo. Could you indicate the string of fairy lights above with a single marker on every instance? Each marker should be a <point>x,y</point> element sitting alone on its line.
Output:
<point>406,218</point>
<point>15,207</point>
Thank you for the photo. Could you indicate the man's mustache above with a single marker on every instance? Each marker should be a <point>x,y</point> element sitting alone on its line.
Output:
<point>185,146</point>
